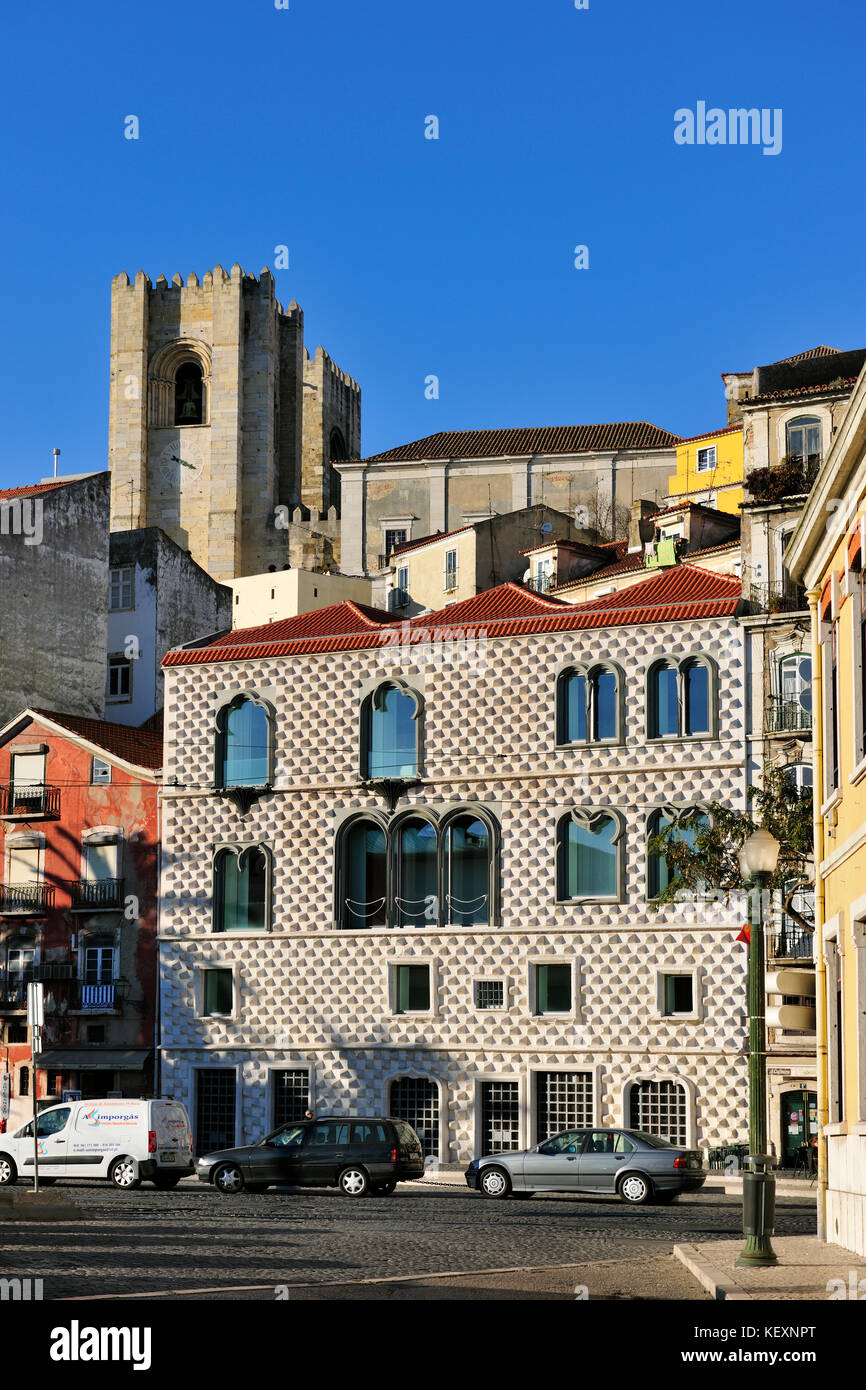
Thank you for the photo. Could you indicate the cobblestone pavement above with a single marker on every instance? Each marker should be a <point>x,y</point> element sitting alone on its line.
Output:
<point>195,1239</point>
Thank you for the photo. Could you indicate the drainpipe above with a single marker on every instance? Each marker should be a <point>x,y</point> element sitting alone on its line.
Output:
<point>814,596</point>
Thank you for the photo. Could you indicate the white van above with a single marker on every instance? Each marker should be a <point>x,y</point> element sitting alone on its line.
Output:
<point>122,1140</point>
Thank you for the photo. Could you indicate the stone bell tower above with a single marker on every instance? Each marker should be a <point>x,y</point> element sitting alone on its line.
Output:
<point>218,417</point>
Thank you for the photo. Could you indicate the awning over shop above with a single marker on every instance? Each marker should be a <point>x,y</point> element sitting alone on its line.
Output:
<point>92,1059</point>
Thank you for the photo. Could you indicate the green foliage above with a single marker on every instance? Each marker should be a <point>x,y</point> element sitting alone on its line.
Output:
<point>708,858</point>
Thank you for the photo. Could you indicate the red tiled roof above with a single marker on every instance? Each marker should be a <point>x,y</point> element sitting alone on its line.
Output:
<point>428,540</point>
<point>821,351</point>
<point>544,439</point>
<point>338,619</point>
<point>34,490</point>
<point>711,434</point>
<point>635,561</point>
<point>681,594</point>
<point>138,746</point>
<point>842,383</point>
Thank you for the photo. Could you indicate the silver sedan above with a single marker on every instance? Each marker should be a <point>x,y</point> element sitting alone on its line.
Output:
<point>624,1162</point>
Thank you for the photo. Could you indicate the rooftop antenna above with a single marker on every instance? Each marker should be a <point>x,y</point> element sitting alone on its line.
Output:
<point>56,453</point>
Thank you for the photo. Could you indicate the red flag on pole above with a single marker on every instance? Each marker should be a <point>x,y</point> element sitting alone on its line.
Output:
<point>745,934</point>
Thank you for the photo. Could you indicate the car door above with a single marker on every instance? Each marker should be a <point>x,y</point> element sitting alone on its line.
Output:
<point>52,1135</point>
<point>324,1152</point>
<point>553,1165</point>
<point>277,1159</point>
<point>606,1153</point>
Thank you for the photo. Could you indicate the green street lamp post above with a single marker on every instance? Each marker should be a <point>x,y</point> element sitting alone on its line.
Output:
<point>758,859</point>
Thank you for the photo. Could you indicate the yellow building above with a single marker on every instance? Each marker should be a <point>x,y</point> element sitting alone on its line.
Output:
<point>827,553</point>
<point>710,470</point>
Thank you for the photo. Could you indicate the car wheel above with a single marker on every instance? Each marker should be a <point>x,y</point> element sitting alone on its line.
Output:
<point>122,1173</point>
<point>384,1189</point>
<point>495,1182</point>
<point>166,1180</point>
<point>354,1182</point>
<point>8,1171</point>
<point>228,1179</point>
<point>635,1189</point>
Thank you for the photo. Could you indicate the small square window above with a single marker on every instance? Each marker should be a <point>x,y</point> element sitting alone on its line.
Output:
<point>118,685</point>
<point>706,458</point>
<point>100,772</point>
<point>553,989</point>
<point>679,995</point>
<point>411,989</point>
<point>16,1032</point>
<point>218,992</point>
<point>490,994</point>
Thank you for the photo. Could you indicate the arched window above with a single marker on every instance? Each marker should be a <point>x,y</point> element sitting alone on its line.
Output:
<point>803,439</point>
<point>337,450</point>
<point>696,686</point>
<point>659,873</point>
<point>364,876</point>
<point>417,897</point>
<point>24,1081</point>
<point>189,394</point>
<point>243,744</point>
<point>418,870</point>
<point>589,859</point>
<point>681,698</point>
<point>467,871</point>
<point>659,1107</point>
<point>664,718</point>
<point>390,733</point>
<point>242,888</point>
<point>792,704</point>
<point>589,704</point>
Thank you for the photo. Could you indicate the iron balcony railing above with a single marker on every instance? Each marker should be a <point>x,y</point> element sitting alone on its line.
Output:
<point>95,893</point>
<point>790,943</point>
<point>100,998</point>
<point>54,971</point>
<point>782,716</point>
<point>13,993</point>
<point>541,583</point>
<point>30,898</point>
<point>781,596</point>
<point>29,802</point>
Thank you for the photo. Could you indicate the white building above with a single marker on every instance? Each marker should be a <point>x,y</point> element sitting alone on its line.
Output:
<point>405,869</point>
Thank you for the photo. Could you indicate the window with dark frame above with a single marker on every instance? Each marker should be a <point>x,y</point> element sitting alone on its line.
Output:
<point>218,992</point>
<point>553,994</point>
<point>678,995</point>
<point>489,994</point>
<point>411,989</point>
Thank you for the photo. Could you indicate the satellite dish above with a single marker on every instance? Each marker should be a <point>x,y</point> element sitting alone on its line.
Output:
<point>545,527</point>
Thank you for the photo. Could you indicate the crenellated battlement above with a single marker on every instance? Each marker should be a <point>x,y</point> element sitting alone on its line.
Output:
<point>237,276</point>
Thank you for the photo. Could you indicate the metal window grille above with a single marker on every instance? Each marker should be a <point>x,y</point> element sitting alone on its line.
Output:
<point>215,1110</point>
<point>659,1107</point>
<point>416,1100</point>
<point>500,1117</point>
<point>490,994</point>
<point>291,1096</point>
<point>564,1101</point>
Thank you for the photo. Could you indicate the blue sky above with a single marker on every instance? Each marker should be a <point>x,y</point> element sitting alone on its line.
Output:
<point>305,127</point>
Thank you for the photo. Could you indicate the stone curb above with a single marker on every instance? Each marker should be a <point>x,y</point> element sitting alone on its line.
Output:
<point>709,1276</point>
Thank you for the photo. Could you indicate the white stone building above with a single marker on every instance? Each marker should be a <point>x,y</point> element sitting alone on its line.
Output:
<point>405,869</point>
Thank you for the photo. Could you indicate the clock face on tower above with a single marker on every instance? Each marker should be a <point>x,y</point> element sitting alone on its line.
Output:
<point>181,462</point>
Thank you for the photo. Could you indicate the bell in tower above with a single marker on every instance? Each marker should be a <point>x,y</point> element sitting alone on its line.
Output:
<point>189,395</point>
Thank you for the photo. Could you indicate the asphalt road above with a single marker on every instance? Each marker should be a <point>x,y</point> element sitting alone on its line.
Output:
<point>196,1243</point>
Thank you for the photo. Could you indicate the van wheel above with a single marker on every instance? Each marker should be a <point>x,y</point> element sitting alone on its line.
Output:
<point>354,1182</point>
<point>495,1182</point>
<point>166,1180</point>
<point>635,1189</point>
<point>228,1179</point>
<point>8,1171</point>
<point>122,1173</point>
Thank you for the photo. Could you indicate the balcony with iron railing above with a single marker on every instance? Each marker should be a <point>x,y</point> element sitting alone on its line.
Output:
<point>781,596</point>
<point>786,716</point>
<point>541,583</point>
<point>28,899</point>
<point>95,895</point>
<point>31,801</point>
<point>103,998</point>
<point>790,944</point>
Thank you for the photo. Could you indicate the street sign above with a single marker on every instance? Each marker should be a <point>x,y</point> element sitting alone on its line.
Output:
<point>35,1005</point>
<point>5,1095</point>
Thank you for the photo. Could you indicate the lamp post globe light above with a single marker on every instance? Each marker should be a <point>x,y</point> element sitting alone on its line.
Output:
<point>758,859</point>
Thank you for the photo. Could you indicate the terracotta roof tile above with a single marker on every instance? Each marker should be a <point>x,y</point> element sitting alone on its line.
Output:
<point>681,594</point>
<point>428,540</point>
<point>842,383</point>
<point>711,434</point>
<point>138,746</point>
<point>544,439</point>
<point>34,490</point>
<point>335,620</point>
